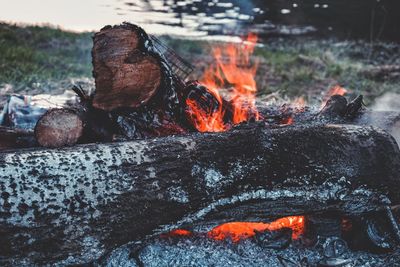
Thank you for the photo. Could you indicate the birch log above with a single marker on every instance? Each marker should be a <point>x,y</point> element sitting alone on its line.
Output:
<point>74,204</point>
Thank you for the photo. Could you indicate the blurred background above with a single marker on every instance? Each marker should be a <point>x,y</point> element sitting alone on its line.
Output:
<point>305,46</point>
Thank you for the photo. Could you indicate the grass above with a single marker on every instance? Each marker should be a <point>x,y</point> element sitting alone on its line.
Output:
<point>308,67</point>
<point>31,57</point>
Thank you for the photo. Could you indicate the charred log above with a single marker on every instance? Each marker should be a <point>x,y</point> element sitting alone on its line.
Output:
<point>11,138</point>
<point>335,106</point>
<point>81,201</point>
<point>201,102</point>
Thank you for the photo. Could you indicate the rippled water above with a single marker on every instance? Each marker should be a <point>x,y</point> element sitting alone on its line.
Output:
<point>350,18</point>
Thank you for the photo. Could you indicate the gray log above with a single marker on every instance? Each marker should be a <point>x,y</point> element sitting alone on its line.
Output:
<point>72,205</point>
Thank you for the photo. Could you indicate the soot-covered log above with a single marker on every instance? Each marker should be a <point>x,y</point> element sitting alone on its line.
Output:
<point>79,202</point>
<point>11,138</point>
<point>126,74</point>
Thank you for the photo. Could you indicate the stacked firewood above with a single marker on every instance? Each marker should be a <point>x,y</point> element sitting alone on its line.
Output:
<point>140,92</point>
<point>137,94</point>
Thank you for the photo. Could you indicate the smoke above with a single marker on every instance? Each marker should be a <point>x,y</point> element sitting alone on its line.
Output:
<point>389,102</point>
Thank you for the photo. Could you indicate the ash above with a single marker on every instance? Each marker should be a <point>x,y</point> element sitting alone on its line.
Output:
<point>202,251</point>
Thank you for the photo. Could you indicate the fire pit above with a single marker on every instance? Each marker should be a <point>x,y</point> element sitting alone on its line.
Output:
<point>151,170</point>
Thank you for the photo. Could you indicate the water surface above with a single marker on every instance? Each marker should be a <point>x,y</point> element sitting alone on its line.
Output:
<point>348,18</point>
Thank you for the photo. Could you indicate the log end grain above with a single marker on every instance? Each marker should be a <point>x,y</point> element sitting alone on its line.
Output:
<point>58,128</point>
<point>126,74</point>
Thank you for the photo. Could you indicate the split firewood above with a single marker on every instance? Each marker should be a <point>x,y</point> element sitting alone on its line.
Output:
<point>135,84</point>
<point>126,73</point>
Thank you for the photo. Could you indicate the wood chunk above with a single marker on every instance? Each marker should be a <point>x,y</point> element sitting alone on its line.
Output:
<point>58,128</point>
<point>125,74</point>
<point>335,107</point>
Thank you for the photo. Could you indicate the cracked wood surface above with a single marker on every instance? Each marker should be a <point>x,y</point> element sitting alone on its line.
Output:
<point>77,203</point>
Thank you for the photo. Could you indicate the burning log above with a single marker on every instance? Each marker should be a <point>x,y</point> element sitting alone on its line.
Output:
<point>79,202</point>
<point>126,73</point>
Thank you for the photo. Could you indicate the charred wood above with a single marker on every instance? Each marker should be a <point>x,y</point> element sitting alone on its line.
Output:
<point>12,138</point>
<point>335,106</point>
<point>82,201</point>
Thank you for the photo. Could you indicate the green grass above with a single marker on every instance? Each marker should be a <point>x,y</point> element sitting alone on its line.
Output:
<point>308,66</point>
<point>291,66</point>
<point>328,62</point>
<point>30,55</point>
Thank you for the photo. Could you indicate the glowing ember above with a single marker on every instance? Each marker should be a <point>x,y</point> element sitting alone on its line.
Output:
<point>287,121</point>
<point>232,69</point>
<point>346,225</point>
<point>179,232</point>
<point>241,230</point>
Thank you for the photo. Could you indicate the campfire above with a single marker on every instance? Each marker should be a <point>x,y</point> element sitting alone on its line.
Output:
<point>150,159</point>
<point>232,68</point>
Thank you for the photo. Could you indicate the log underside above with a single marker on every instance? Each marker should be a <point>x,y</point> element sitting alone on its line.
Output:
<point>11,138</point>
<point>83,201</point>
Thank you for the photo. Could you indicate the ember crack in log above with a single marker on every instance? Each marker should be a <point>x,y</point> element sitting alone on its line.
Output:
<point>85,200</point>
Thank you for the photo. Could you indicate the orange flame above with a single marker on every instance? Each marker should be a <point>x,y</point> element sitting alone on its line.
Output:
<point>207,121</point>
<point>287,121</point>
<point>234,69</point>
<point>335,90</point>
<point>299,102</point>
<point>241,230</point>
